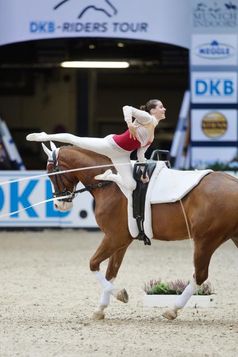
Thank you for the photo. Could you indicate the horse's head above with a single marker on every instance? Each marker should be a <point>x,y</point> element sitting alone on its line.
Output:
<point>63,184</point>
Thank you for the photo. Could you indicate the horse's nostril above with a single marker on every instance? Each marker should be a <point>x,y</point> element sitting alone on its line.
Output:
<point>56,206</point>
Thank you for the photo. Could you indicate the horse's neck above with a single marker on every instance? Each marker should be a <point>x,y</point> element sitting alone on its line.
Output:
<point>109,198</point>
<point>90,164</point>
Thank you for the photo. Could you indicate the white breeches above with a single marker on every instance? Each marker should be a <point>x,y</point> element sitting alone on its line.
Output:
<point>104,146</point>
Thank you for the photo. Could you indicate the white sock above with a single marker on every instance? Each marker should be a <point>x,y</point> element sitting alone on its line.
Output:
<point>182,299</point>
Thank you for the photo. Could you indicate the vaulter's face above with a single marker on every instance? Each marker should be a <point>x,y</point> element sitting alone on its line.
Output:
<point>159,111</point>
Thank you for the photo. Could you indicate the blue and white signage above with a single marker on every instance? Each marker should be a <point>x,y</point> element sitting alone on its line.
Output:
<point>214,125</point>
<point>214,50</point>
<point>214,87</point>
<point>25,197</point>
<point>215,14</point>
<point>154,20</point>
<point>214,82</point>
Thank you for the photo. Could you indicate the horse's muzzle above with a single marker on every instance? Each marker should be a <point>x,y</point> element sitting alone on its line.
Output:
<point>63,206</point>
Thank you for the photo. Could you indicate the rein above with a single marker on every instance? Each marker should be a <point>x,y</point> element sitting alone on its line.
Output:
<point>64,192</point>
<point>93,186</point>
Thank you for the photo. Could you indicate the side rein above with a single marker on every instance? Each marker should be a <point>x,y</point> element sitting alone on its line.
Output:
<point>59,178</point>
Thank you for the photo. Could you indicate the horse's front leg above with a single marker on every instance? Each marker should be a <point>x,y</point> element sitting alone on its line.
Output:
<point>116,254</point>
<point>120,294</point>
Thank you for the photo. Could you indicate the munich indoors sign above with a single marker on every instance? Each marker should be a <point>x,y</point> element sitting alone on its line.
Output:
<point>23,20</point>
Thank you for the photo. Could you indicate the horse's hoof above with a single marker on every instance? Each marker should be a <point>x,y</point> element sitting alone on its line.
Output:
<point>98,315</point>
<point>170,314</point>
<point>122,296</point>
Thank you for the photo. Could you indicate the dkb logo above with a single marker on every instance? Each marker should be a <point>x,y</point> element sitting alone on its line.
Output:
<point>214,87</point>
<point>104,6</point>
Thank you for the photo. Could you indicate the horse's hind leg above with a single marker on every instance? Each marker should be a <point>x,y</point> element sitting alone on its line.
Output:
<point>202,257</point>
<point>112,270</point>
<point>181,300</point>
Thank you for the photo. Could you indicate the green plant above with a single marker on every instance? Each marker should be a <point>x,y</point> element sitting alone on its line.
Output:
<point>219,166</point>
<point>158,287</point>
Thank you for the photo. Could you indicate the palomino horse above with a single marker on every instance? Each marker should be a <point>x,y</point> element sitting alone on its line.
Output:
<point>209,214</point>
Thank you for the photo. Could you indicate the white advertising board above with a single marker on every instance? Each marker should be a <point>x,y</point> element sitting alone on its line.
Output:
<point>214,87</point>
<point>213,16</point>
<point>153,20</point>
<point>214,50</point>
<point>214,125</point>
<point>16,195</point>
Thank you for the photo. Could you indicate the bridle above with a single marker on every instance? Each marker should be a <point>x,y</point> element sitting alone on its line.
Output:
<point>59,182</point>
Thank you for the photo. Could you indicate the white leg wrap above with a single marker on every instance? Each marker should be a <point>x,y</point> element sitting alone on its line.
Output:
<point>104,298</point>
<point>105,284</point>
<point>186,294</point>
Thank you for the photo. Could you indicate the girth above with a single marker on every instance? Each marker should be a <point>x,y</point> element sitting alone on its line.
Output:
<point>142,173</point>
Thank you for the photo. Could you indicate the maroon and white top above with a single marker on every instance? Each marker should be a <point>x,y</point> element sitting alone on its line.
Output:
<point>141,122</point>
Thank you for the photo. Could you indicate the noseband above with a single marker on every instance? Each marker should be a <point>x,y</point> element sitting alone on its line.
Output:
<point>65,192</point>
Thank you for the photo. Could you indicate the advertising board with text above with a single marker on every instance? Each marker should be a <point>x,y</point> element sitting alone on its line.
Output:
<point>214,87</point>
<point>25,197</point>
<point>214,125</point>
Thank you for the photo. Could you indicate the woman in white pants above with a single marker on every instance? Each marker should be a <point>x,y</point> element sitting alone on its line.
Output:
<point>138,136</point>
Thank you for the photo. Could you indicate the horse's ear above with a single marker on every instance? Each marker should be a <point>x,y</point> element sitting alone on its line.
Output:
<point>47,151</point>
<point>53,146</point>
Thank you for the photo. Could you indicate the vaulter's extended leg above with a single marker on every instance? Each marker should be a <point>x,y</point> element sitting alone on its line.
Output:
<point>98,145</point>
<point>104,146</point>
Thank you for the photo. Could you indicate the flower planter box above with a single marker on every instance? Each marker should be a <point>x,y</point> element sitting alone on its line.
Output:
<point>196,301</point>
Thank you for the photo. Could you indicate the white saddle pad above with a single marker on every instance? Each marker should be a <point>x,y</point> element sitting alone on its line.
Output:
<point>166,186</point>
<point>171,185</point>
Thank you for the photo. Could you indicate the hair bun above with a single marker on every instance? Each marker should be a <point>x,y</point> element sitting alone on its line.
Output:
<point>142,107</point>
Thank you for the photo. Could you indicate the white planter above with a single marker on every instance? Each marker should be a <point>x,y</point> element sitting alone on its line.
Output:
<point>169,300</point>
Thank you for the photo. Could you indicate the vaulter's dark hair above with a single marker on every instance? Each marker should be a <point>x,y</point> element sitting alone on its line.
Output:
<point>151,104</point>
